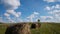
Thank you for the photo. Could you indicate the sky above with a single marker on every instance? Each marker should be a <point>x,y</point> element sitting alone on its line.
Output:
<point>13,11</point>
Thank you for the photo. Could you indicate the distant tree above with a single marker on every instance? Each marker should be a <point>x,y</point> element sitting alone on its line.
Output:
<point>38,20</point>
<point>39,24</point>
<point>0,22</point>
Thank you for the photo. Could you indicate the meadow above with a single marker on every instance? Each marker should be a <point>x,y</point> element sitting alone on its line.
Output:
<point>46,28</point>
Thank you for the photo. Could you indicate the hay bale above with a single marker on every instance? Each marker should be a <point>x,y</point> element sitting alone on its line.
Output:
<point>21,28</point>
<point>35,25</point>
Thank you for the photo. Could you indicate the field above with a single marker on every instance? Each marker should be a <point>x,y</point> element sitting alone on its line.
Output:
<point>2,28</point>
<point>46,28</point>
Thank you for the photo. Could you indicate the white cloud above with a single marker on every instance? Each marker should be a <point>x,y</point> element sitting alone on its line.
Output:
<point>46,18</point>
<point>31,17</point>
<point>17,14</point>
<point>10,4</point>
<point>34,15</point>
<point>57,6</point>
<point>47,8</point>
<point>54,12</point>
<point>51,1</point>
<point>6,14</point>
<point>14,19</point>
<point>19,20</point>
<point>10,20</point>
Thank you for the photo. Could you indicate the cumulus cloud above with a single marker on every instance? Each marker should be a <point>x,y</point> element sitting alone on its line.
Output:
<point>6,14</point>
<point>54,12</point>
<point>48,8</point>
<point>36,13</point>
<point>16,14</point>
<point>10,20</point>
<point>57,6</point>
<point>46,18</point>
<point>10,4</point>
<point>33,16</point>
<point>51,1</point>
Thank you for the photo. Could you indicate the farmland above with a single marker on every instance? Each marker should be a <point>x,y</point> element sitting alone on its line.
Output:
<point>46,28</point>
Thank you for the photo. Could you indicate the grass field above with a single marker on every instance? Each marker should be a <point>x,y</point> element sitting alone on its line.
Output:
<point>2,28</point>
<point>46,28</point>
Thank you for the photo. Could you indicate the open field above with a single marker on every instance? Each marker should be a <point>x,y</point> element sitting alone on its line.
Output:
<point>2,28</point>
<point>46,28</point>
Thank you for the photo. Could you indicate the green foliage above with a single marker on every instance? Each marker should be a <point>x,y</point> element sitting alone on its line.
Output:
<point>38,20</point>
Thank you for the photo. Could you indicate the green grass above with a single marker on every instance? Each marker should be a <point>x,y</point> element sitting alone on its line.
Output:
<point>46,28</point>
<point>2,29</point>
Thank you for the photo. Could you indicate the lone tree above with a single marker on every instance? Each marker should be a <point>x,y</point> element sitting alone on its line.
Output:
<point>38,20</point>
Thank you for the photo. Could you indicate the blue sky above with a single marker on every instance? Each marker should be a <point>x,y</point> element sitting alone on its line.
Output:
<point>29,10</point>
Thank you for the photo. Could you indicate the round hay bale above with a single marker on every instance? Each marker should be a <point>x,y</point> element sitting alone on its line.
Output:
<point>21,28</point>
